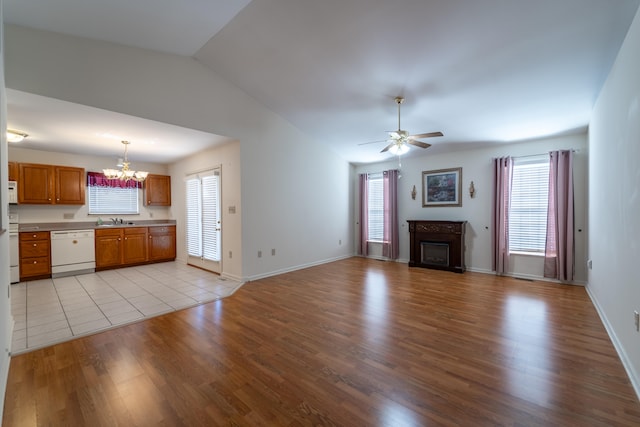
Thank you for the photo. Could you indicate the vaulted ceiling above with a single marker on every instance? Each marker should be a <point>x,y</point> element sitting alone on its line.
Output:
<point>480,71</point>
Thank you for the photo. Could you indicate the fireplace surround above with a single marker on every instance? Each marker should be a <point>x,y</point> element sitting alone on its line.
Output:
<point>437,244</point>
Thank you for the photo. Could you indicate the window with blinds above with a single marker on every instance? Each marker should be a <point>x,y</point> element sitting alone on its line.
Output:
<point>375,209</point>
<point>528,209</point>
<point>112,200</point>
<point>203,215</point>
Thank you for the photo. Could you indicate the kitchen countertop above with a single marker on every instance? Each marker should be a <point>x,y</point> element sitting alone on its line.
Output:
<point>92,225</point>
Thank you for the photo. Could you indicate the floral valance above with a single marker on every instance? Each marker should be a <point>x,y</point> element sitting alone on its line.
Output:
<point>97,179</point>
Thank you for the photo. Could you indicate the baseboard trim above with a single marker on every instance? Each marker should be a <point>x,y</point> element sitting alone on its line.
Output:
<point>294,268</point>
<point>634,378</point>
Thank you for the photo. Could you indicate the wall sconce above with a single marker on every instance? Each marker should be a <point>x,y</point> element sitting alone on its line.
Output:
<point>472,190</point>
<point>413,193</point>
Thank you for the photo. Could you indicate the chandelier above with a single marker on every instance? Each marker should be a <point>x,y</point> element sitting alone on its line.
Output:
<point>125,174</point>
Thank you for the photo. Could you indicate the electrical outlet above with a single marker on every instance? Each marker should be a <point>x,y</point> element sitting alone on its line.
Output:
<point>636,318</point>
<point>590,264</point>
<point>273,252</point>
<point>230,254</point>
<point>259,254</point>
<point>340,242</point>
<point>70,215</point>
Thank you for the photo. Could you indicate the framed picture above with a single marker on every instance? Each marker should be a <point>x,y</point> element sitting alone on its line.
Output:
<point>442,187</point>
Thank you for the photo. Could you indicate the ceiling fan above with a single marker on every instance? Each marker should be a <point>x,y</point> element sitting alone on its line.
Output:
<point>399,140</point>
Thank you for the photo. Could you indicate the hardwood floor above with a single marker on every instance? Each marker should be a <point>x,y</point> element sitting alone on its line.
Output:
<point>356,343</point>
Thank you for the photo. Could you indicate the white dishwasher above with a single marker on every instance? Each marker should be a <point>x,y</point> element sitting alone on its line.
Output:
<point>72,252</point>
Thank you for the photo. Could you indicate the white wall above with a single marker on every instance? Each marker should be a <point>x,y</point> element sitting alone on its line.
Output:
<point>477,167</point>
<point>614,202</point>
<point>294,198</point>
<point>6,320</point>
<point>56,213</point>
<point>227,157</point>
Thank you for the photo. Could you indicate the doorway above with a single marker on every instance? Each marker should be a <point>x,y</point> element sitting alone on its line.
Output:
<point>204,224</point>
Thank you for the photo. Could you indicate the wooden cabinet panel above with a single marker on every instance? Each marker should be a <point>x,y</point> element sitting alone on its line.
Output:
<point>135,245</point>
<point>70,185</point>
<point>162,243</point>
<point>49,184</point>
<point>36,184</point>
<point>157,190</point>
<point>108,247</point>
<point>35,255</point>
<point>13,171</point>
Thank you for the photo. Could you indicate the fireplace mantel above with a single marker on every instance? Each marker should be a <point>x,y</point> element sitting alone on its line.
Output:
<point>437,233</point>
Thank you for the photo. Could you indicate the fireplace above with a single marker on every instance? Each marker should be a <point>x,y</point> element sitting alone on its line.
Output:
<point>434,253</point>
<point>437,244</point>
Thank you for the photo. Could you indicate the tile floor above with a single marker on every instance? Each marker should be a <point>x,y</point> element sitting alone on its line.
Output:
<point>50,311</point>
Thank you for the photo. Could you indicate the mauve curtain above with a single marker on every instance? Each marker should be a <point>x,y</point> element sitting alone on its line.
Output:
<point>97,179</point>
<point>559,249</point>
<point>363,219</point>
<point>502,174</point>
<point>391,245</point>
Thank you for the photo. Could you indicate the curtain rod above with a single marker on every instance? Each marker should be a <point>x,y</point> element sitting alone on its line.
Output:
<point>543,154</point>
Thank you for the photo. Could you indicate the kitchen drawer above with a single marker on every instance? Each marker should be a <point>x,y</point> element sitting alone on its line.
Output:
<point>35,267</point>
<point>135,230</point>
<point>163,229</point>
<point>34,235</point>
<point>34,248</point>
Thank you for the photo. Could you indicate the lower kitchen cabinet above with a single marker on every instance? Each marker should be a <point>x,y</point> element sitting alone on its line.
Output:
<point>123,246</point>
<point>162,243</point>
<point>134,249</point>
<point>35,255</point>
<point>108,247</point>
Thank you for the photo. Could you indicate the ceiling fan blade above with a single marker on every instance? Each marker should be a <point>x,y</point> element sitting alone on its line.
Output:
<point>418,143</point>
<point>373,142</point>
<point>385,149</point>
<point>426,135</point>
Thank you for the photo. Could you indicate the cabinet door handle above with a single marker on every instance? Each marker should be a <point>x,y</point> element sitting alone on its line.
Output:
<point>35,262</point>
<point>35,244</point>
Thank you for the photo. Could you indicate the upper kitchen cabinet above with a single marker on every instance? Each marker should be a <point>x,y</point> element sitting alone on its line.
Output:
<point>50,185</point>
<point>157,190</point>
<point>13,171</point>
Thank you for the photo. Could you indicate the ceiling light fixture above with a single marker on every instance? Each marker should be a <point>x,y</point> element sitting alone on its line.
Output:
<point>15,135</point>
<point>399,148</point>
<point>125,174</point>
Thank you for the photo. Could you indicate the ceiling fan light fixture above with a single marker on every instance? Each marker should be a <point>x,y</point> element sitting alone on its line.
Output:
<point>399,149</point>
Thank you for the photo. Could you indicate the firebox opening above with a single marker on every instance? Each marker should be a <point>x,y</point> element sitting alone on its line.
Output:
<point>435,253</point>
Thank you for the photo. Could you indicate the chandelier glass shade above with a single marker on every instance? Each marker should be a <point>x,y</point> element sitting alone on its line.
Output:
<point>125,174</point>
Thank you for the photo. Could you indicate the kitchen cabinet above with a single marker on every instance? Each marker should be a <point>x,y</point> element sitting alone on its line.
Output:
<point>108,247</point>
<point>134,249</point>
<point>13,171</point>
<point>35,255</point>
<point>123,246</point>
<point>162,243</point>
<point>157,190</point>
<point>50,184</point>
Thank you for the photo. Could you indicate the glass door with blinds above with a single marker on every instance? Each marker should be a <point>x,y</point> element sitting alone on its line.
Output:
<point>204,224</point>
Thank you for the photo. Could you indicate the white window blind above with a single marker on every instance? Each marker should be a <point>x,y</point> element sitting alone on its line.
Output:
<point>194,224</point>
<point>375,208</point>
<point>210,218</point>
<point>528,209</point>
<point>203,215</point>
<point>112,200</point>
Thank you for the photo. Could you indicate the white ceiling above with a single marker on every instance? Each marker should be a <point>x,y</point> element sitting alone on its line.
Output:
<point>480,71</point>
